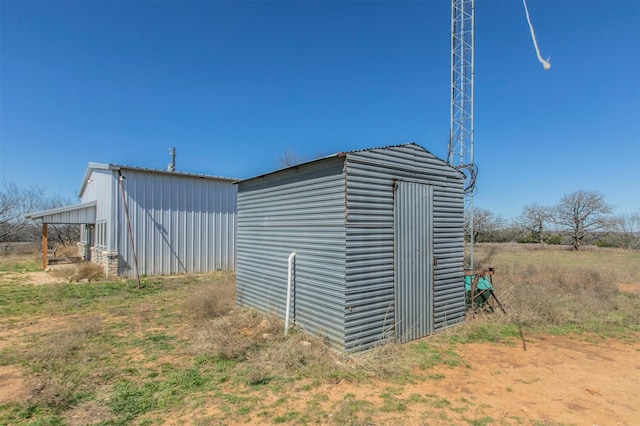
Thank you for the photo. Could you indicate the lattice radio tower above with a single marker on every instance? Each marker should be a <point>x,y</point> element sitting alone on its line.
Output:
<point>460,153</point>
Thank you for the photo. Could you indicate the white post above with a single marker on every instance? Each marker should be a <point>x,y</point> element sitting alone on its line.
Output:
<point>286,316</point>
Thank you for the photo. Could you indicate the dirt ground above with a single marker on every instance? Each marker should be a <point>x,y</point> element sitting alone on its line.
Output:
<point>547,380</point>
<point>556,380</point>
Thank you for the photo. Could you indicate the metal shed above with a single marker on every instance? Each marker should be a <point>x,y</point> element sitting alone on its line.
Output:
<point>169,222</point>
<point>379,240</point>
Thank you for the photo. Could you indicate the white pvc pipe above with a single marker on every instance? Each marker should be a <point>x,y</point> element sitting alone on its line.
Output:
<point>286,315</point>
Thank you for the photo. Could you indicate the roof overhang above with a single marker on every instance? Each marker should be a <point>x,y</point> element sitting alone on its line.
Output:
<point>337,155</point>
<point>84,213</point>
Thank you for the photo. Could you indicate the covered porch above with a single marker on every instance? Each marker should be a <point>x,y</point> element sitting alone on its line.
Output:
<point>80,214</point>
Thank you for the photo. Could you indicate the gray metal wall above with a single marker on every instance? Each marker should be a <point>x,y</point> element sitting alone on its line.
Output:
<point>371,175</point>
<point>180,224</point>
<point>298,210</point>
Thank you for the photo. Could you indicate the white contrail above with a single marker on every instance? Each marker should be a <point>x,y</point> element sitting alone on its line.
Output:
<point>545,63</point>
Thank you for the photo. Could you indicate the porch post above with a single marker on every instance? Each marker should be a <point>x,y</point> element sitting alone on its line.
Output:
<point>44,245</point>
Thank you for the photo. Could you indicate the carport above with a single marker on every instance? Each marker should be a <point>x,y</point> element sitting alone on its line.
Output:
<point>81,214</point>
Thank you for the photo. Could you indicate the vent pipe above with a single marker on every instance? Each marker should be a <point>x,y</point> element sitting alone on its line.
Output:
<point>172,165</point>
<point>289,276</point>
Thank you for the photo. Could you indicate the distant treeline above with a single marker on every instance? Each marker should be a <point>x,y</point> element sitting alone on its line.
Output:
<point>580,218</point>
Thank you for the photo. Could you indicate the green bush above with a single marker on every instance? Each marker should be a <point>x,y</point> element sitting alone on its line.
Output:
<point>603,243</point>
<point>554,239</point>
<point>527,239</point>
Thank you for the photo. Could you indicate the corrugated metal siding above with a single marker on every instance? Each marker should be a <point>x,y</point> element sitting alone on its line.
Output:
<point>298,210</point>
<point>448,251</point>
<point>101,188</point>
<point>413,260</point>
<point>80,214</point>
<point>180,224</point>
<point>370,239</point>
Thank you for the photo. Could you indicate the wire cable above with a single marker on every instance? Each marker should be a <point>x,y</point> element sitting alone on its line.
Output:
<point>545,63</point>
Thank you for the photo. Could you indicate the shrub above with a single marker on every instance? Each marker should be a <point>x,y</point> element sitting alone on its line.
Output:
<point>554,239</point>
<point>603,243</point>
<point>527,239</point>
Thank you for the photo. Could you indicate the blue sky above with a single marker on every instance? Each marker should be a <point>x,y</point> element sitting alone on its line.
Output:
<point>233,84</point>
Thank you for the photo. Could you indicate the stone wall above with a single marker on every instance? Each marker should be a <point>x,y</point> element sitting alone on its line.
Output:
<point>111,263</point>
<point>108,260</point>
<point>83,250</point>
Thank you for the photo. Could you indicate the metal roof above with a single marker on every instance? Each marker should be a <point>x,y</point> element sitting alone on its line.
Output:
<point>102,166</point>
<point>77,213</point>
<point>338,154</point>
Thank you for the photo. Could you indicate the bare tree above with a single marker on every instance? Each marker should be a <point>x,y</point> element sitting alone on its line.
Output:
<point>486,225</point>
<point>582,213</point>
<point>627,230</point>
<point>534,220</point>
<point>65,234</point>
<point>289,158</point>
<point>15,203</point>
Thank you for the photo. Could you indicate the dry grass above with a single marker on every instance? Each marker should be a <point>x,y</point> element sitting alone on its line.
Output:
<point>88,271</point>
<point>67,251</point>
<point>556,287</point>
<point>258,341</point>
<point>52,385</point>
<point>561,295</point>
<point>19,249</point>
<point>85,271</point>
<point>292,357</point>
<point>212,300</point>
<point>232,336</point>
<point>386,361</point>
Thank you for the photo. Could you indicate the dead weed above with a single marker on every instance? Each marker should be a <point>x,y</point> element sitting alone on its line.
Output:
<point>67,251</point>
<point>212,299</point>
<point>561,295</point>
<point>232,336</point>
<point>85,271</point>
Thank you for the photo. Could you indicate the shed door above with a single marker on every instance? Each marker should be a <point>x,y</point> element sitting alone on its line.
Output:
<point>413,257</point>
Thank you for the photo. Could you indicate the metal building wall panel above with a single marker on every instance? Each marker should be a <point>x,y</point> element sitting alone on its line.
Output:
<point>84,213</point>
<point>180,223</point>
<point>300,210</point>
<point>101,187</point>
<point>449,306</point>
<point>370,180</point>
